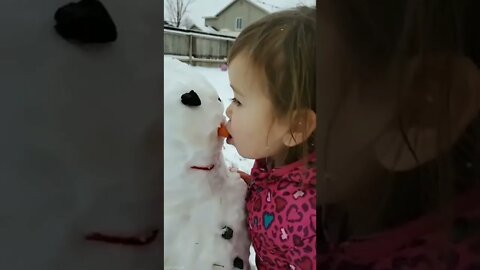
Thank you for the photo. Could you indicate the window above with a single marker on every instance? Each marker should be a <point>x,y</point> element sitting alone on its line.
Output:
<point>238,23</point>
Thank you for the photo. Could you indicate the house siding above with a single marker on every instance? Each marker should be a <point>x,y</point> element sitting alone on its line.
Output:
<point>240,9</point>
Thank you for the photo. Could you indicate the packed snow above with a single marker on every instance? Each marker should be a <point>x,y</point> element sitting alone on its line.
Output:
<point>219,79</point>
<point>204,203</point>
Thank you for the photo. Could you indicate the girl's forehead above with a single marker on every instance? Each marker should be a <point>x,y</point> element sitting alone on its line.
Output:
<point>241,65</point>
<point>246,77</point>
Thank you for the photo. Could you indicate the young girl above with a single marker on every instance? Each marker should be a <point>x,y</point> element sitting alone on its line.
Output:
<point>398,126</point>
<point>272,119</point>
<point>397,132</point>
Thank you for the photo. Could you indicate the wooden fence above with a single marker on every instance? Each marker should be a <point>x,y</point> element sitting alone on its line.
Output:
<point>196,47</point>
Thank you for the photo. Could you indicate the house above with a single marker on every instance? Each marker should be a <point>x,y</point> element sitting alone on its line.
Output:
<point>195,11</point>
<point>197,24</point>
<point>238,14</point>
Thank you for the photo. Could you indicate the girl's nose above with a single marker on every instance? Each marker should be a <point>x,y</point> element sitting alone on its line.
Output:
<point>228,112</point>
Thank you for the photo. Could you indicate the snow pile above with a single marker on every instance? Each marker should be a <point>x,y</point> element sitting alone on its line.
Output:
<point>219,79</point>
<point>204,220</point>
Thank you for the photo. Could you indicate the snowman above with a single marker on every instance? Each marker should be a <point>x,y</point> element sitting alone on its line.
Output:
<point>80,103</point>
<point>204,219</point>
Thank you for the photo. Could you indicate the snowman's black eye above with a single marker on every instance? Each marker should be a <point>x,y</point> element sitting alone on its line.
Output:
<point>219,99</point>
<point>191,99</point>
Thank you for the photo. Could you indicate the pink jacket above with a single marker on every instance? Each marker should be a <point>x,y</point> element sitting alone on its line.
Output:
<point>281,208</point>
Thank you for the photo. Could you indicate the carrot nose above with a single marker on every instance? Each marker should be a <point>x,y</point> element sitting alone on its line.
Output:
<point>223,132</point>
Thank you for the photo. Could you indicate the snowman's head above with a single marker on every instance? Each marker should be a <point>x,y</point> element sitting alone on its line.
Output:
<point>192,116</point>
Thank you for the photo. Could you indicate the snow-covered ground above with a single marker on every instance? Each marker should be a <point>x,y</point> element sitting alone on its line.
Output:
<point>219,79</point>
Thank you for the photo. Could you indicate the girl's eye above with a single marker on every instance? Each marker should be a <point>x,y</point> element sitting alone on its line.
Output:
<point>236,102</point>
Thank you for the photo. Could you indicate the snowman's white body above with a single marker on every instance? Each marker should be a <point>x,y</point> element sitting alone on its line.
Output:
<point>198,203</point>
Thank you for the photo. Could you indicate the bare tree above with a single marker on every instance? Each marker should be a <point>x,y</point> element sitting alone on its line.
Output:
<point>176,10</point>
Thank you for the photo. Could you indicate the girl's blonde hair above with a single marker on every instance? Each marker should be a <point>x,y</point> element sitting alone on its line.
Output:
<point>282,45</point>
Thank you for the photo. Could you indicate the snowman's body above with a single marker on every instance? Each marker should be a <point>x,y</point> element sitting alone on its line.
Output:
<point>204,219</point>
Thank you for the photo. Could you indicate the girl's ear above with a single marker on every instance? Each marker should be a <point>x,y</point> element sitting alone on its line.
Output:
<point>303,125</point>
<point>442,100</point>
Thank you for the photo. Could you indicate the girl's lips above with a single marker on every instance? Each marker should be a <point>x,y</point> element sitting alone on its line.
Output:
<point>229,140</point>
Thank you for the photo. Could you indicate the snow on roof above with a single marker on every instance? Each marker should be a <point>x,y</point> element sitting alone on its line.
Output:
<point>200,9</point>
<point>271,6</point>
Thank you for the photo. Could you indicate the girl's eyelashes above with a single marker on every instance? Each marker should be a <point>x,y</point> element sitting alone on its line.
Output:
<point>235,101</point>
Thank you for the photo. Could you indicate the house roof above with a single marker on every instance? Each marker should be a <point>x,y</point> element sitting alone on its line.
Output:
<point>231,2</point>
<point>265,5</point>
